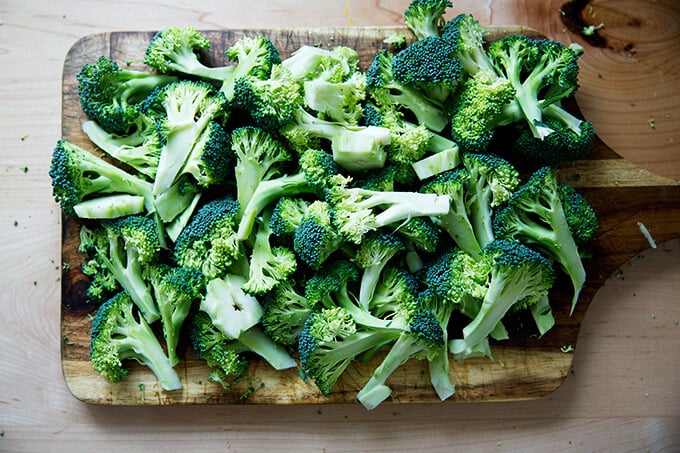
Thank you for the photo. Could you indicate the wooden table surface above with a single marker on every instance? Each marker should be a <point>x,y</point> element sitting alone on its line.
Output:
<point>624,390</point>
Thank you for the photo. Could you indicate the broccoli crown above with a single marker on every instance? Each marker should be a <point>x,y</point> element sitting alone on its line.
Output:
<point>287,214</point>
<point>78,175</point>
<point>208,242</point>
<point>429,64</point>
<point>113,97</point>
<point>209,344</point>
<point>384,89</point>
<point>270,102</point>
<point>493,174</point>
<point>318,167</point>
<point>425,17</point>
<point>427,329</point>
<point>421,233</point>
<point>269,265</point>
<point>254,56</point>
<point>184,102</point>
<point>481,105</point>
<point>285,313</point>
<point>139,235</point>
<point>563,145</point>
<point>331,282</point>
<point>456,275</point>
<point>581,217</point>
<point>103,283</point>
<point>259,157</point>
<point>542,72</point>
<point>177,49</point>
<point>315,237</point>
<point>466,34</point>
<point>211,160</point>
<point>117,335</point>
<point>377,249</point>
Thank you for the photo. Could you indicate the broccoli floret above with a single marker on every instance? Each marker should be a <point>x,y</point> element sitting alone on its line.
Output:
<point>358,211</point>
<point>123,249</point>
<point>269,265</point>
<point>176,50</point>
<point>466,34</point>
<point>112,96</point>
<point>176,291</point>
<point>552,217</point>
<point>315,63</point>
<point>237,316</point>
<point>541,71</point>
<point>482,104</point>
<point>373,254</point>
<point>384,90</point>
<point>221,354</point>
<point>117,335</point>
<point>355,148</point>
<point>254,56</point>
<point>421,233</point>
<point>211,160</point>
<point>186,109</point>
<point>140,150</point>
<point>208,242</point>
<point>571,140</point>
<point>79,176</point>
<point>337,101</point>
<point>316,169</point>
<point>102,284</point>
<point>270,102</point>
<point>517,274</point>
<point>425,17</point>
<point>287,214</point>
<point>396,291</point>
<point>429,65</point>
<point>331,340</point>
<point>422,340</point>
<point>285,313</point>
<point>315,238</point>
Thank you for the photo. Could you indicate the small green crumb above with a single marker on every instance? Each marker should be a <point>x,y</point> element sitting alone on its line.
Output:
<point>651,123</point>
<point>567,348</point>
<point>632,104</point>
<point>23,137</point>
<point>68,342</point>
<point>24,169</point>
<point>600,75</point>
<point>15,223</point>
<point>66,266</point>
<point>653,316</point>
<point>676,322</point>
<point>142,389</point>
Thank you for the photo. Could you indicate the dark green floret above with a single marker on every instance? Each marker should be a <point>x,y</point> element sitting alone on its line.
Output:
<point>285,312</point>
<point>118,335</point>
<point>375,252</point>
<point>112,96</point>
<point>315,238</point>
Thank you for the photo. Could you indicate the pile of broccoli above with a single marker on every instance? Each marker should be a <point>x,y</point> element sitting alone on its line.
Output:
<point>312,214</point>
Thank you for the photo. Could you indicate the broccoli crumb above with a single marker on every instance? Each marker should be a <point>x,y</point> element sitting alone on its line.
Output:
<point>651,123</point>
<point>68,342</point>
<point>23,137</point>
<point>676,322</point>
<point>591,29</point>
<point>142,389</point>
<point>24,169</point>
<point>653,316</point>
<point>567,348</point>
<point>15,223</point>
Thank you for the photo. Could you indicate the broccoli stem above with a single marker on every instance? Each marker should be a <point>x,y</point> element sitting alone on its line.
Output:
<point>557,112</point>
<point>375,391</point>
<point>542,314</point>
<point>258,342</point>
<point>403,205</point>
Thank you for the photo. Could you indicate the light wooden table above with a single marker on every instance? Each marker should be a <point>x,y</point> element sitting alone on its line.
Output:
<point>623,394</point>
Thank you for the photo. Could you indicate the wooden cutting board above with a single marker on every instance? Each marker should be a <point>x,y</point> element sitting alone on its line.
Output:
<point>524,367</point>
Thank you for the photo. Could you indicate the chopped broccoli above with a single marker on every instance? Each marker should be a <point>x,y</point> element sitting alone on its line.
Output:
<point>373,254</point>
<point>552,217</point>
<point>79,176</point>
<point>384,89</point>
<point>395,291</point>
<point>358,211</point>
<point>337,101</point>
<point>117,335</point>
<point>176,291</point>
<point>237,315</point>
<point>425,17</point>
<point>254,56</point>
<point>125,248</point>
<point>287,214</point>
<point>208,242</point>
<point>112,96</point>
<point>354,148</point>
<point>177,49</point>
<point>270,102</point>
<point>269,265</point>
<point>285,312</point>
<point>541,71</point>
<point>466,34</point>
<point>429,65</point>
<point>422,340</point>
<point>186,109</point>
<point>211,160</point>
<point>315,63</point>
<point>140,149</point>
<point>220,353</point>
<point>421,233</point>
<point>517,275</point>
<point>316,169</point>
<point>315,238</point>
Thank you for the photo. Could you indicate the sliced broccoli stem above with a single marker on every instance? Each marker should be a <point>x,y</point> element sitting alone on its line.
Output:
<point>557,112</point>
<point>258,342</point>
<point>542,315</point>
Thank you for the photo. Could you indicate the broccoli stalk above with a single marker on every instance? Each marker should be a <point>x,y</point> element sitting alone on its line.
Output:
<point>237,315</point>
<point>118,335</point>
<point>374,253</point>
